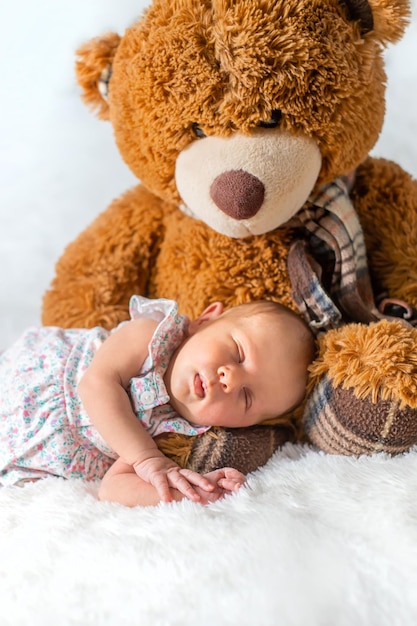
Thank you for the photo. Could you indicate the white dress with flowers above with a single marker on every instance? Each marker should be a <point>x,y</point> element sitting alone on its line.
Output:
<point>44,429</point>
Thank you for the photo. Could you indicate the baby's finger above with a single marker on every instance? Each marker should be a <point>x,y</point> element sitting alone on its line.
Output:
<point>233,474</point>
<point>162,487</point>
<point>229,485</point>
<point>197,479</point>
<point>177,480</point>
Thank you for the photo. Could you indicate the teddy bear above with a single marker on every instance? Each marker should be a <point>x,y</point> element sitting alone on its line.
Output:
<point>237,118</point>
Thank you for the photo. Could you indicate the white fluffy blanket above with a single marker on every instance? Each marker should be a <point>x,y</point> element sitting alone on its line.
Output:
<point>312,540</point>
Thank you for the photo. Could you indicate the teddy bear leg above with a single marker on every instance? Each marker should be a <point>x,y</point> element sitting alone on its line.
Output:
<point>363,390</point>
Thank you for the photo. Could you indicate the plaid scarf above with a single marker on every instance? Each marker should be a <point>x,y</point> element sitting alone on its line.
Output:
<point>331,286</point>
<point>328,266</point>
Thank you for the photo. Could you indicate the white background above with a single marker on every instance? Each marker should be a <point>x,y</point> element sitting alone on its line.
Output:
<point>59,166</point>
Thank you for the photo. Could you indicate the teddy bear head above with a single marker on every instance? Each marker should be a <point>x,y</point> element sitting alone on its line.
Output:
<point>237,110</point>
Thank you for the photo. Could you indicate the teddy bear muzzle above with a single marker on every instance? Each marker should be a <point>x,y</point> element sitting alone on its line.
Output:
<point>246,185</point>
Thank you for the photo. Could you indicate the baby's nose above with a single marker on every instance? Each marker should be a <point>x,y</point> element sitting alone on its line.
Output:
<point>227,378</point>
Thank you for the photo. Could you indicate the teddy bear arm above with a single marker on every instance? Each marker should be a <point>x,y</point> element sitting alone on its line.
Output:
<point>106,264</point>
<point>245,449</point>
<point>385,197</point>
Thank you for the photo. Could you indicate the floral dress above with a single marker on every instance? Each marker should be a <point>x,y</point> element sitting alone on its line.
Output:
<point>44,429</point>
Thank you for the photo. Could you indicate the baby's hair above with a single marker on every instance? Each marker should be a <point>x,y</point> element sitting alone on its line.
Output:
<point>247,309</point>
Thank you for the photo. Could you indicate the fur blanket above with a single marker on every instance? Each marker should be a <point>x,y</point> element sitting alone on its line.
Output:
<point>312,539</point>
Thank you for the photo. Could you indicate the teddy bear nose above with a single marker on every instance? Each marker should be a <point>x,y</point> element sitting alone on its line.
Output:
<point>238,194</point>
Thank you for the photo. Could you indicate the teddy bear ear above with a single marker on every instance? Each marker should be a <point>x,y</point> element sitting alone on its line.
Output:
<point>385,19</point>
<point>93,70</point>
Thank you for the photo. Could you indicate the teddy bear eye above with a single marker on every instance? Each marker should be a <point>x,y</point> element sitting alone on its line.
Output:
<point>198,132</point>
<point>274,120</point>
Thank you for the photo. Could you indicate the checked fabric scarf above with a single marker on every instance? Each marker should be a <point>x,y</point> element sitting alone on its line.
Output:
<point>328,266</point>
<point>331,286</point>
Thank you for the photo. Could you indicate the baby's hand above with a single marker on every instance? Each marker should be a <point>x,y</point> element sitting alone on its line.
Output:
<point>225,481</point>
<point>163,474</point>
<point>227,478</point>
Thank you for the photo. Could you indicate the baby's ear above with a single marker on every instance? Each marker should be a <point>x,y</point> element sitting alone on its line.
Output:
<point>213,311</point>
<point>93,70</point>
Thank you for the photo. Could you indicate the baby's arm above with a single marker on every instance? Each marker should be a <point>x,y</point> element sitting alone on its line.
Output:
<point>122,484</point>
<point>103,393</point>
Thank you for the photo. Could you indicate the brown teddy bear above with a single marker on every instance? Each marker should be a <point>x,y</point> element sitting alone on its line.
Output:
<point>239,117</point>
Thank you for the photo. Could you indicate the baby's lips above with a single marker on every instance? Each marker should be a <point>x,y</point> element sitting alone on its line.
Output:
<point>198,386</point>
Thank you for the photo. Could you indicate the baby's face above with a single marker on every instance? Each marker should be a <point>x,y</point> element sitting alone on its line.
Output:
<point>236,372</point>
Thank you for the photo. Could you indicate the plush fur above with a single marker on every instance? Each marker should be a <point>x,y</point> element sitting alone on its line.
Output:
<point>231,114</point>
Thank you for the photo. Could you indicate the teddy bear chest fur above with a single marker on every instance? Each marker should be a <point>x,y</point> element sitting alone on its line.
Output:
<point>196,266</point>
